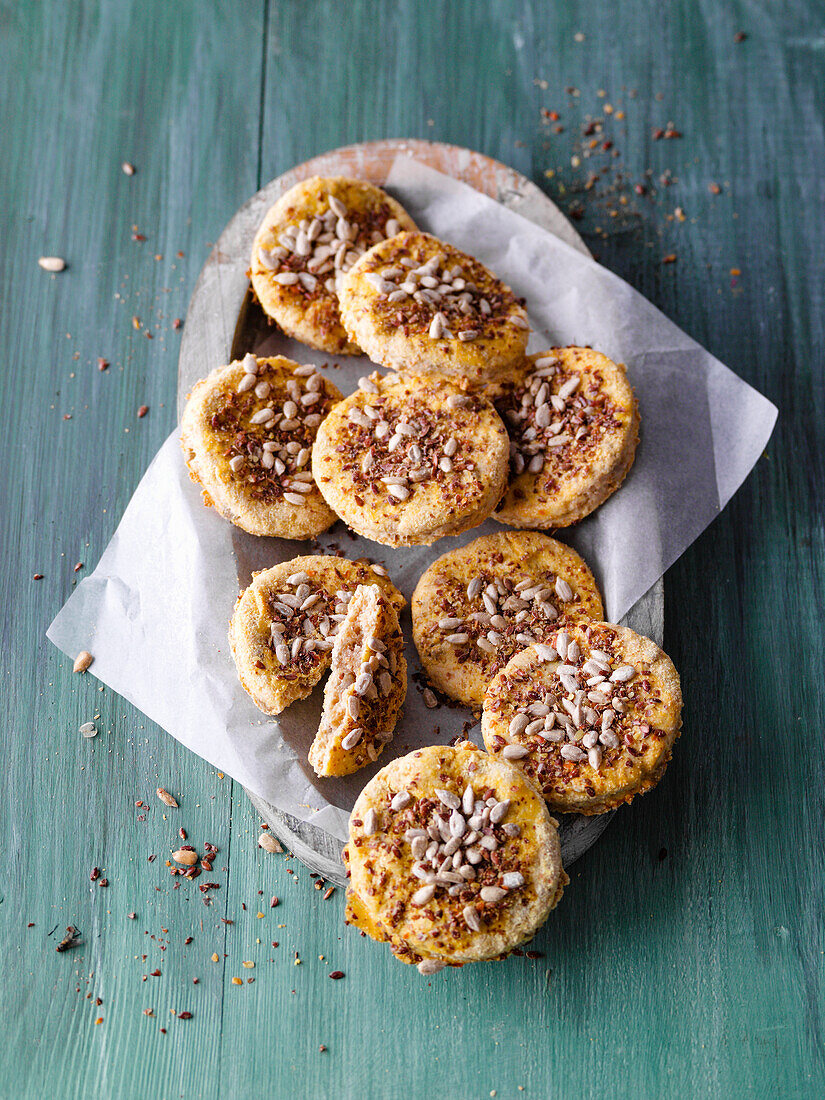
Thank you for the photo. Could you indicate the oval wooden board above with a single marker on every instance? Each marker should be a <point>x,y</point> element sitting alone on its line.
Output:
<point>224,321</point>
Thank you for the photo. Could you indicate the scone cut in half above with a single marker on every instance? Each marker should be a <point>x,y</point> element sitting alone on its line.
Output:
<point>415,303</point>
<point>452,858</point>
<point>574,425</point>
<point>247,434</point>
<point>366,688</point>
<point>407,459</point>
<point>477,606</point>
<point>590,716</point>
<point>284,624</point>
<point>308,240</point>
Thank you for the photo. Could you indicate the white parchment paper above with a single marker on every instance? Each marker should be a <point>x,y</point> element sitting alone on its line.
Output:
<point>155,611</point>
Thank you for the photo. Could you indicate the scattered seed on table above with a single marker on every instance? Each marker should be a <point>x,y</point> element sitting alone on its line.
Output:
<point>127,168</point>
<point>102,364</point>
<point>142,411</point>
<point>336,974</point>
<point>52,263</point>
<point>269,843</point>
<point>166,798</point>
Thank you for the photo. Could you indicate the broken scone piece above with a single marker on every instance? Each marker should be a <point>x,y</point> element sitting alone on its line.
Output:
<point>284,624</point>
<point>366,687</point>
<point>453,858</point>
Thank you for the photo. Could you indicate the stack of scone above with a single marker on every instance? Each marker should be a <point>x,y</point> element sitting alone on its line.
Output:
<point>453,855</point>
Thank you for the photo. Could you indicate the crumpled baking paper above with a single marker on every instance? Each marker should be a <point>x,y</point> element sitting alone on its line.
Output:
<point>155,611</point>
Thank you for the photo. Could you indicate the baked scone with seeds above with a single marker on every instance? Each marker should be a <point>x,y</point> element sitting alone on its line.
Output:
<point>574,425</point>
<point>284,624</point>
<point>590,716</point>
<point>477,606</point>
<point>453,858</point>
<point>366,687</point>
<point>416,303</point>
<point>247,434</point>
<point>409,458</point>
<point>308,240</point>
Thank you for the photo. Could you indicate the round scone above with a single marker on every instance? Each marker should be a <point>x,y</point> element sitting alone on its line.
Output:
<point>283,627</point>
<point>477,606</point>
<point>452,857</point>
<point>416,303</point>
<point>366,688</point>
<point>590,717</point>
<point>311,236</point>
<point>247,434</point>
<point>409,458</point>
<point>574,425</point>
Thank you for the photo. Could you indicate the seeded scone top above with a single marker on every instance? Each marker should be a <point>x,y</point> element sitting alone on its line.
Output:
<point>308,240</point>
<point>284,624</point>
<point>590,715</point>
<point>247,433</point>
<point>573,425</point>
<point>407,459</point>
<point>453,857</point>
<point>478,605</point>
<point>416,303</point>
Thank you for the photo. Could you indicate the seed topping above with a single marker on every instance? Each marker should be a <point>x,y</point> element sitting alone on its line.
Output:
<point>458,841</point>
<point>268,427</point>
<point>554,414</point>
<point>311,255</point>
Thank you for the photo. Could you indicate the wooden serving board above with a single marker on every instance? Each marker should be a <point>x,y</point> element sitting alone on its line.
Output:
<point>224,322</point>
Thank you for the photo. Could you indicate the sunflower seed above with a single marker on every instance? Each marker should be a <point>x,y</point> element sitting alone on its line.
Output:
<point>492,893</point>
<point>518,724</point>
<point>82,661</point>
<point>569,387</point>
<point>351,740</point>
<point>499,811</point>
<point>470,915</point>
<point>457,401</point>
<point>449,623</point>
<point>401,800</point>
<point>52,263</point>
<point>474,587</point>
<point>517,752</point>
<point>428,967</point>
<point>546,653</point>
<point>425,894</point>
<point>623,674</point>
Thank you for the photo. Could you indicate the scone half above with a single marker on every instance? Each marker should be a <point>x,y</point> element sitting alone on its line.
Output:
<point>284,624</point>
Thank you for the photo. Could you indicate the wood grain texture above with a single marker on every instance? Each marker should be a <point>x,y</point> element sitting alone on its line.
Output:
<point>697,974</point>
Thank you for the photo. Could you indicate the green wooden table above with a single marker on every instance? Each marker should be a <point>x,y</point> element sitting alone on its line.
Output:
<point>687,957</point>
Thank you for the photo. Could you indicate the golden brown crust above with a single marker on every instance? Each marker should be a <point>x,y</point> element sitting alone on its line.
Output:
<point>451,601</point>
<point>505,863</point>
<point>444,451</point>
<point>394,326</point>
<point>308,308</point>
<point>615,744</point>
<point>574,425</point>
<point>275,677</point>
<point>265,494</point>
<point>366,687</point>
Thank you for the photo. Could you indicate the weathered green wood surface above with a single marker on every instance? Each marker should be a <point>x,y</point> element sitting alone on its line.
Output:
<point>687,973</point>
